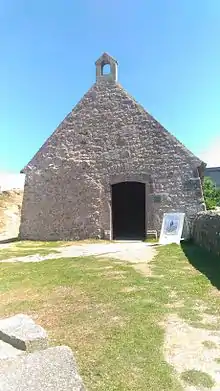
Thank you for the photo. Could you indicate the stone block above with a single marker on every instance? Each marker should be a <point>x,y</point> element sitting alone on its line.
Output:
<point>7,351</point>
<point>23,333</point>
<point>157,198</point>
<point>53,369</point>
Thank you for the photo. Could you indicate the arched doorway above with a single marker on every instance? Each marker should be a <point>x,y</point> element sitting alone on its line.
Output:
<point>128,210</point>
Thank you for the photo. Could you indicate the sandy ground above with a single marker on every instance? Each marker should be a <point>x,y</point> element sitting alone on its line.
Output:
<point>10,211</point>
<point>186,349</point>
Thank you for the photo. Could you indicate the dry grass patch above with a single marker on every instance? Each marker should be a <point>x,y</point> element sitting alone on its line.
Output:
<point>29,247</point>
<point>57,243</point>
<point>129,289</point>
<point>14,252</point>
<point>210,344</point>
<point>175,304</point>
<point>143,268</point>
<point>113,273</point>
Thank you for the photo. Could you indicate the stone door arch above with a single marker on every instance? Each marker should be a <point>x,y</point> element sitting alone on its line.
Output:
<point>143,178</point>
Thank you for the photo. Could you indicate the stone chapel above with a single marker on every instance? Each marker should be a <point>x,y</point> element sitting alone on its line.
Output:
<point>110,170</point>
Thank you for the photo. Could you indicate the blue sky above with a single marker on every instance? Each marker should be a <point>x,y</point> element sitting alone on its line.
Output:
<point>169,60</point>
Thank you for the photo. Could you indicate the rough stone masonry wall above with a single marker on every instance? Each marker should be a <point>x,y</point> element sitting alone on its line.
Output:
<point>206,231</point>
<point>107,138</point>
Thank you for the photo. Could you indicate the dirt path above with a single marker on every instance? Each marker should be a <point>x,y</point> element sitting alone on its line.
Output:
<point>134,252</point>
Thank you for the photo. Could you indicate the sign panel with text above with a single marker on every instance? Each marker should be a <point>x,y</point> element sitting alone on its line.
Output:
<point>172,228</point>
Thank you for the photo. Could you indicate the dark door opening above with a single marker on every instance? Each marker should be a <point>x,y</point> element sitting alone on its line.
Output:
<point>128,210</point>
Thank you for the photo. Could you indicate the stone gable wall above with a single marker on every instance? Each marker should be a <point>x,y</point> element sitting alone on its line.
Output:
<point>206,231</point>
<point>107,136</point>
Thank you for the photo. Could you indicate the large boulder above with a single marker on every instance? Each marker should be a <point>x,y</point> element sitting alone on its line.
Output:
<point>23,333</point>
<point>53,369</point>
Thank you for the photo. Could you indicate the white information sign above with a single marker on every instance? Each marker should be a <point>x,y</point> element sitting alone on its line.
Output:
<point>172,228</point>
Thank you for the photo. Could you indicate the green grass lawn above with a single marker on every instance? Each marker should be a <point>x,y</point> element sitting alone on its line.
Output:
<point>198,379</point>
<point>111,315</point>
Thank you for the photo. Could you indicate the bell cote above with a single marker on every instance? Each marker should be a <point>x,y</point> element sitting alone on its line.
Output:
<point>106,68</point>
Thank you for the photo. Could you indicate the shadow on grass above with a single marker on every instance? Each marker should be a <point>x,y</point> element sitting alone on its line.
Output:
<point>204,261</point>
<point>10,240</point>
